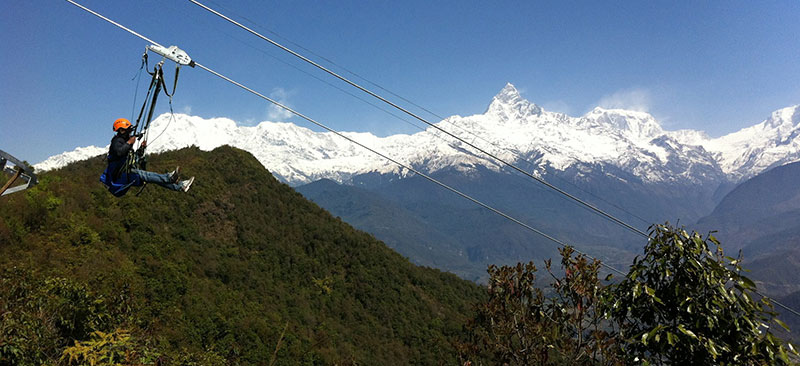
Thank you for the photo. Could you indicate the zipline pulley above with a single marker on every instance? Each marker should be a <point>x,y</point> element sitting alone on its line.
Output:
<point>136,158</point>
<point>173,53</point>
<point>157,84</point>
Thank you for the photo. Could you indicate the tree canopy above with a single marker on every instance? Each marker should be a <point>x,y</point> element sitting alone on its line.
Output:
<point>241,269</point>
<point>683,302</point>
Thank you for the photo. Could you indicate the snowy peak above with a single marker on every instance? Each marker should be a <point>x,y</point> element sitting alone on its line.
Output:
<point>169,134</point>
<point>629,143</point>
<point>784,119</point>
<point>635,124</point>
<point>509,105</point>
<point>749,151</point>
<point>60,160</point>
<point>780,126</point>
<point>508,95</point>
<point>294,154</point>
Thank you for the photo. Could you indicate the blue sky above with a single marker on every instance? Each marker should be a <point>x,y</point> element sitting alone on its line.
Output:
<point>715,66</point>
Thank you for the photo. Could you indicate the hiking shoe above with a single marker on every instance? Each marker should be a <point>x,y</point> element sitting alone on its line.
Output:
<point>174,175</point>
<point>186,184</point>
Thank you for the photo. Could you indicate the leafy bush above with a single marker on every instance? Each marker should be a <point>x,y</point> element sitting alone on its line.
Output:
<point>682,303</point>
<point>522,325</point>
<point>39,315</point>
<point>102,349</point>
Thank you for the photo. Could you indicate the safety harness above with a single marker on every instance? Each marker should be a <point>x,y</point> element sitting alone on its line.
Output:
<point>118,176</point>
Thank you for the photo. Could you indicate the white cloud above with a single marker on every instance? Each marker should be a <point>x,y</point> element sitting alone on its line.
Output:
<point>187,109</point>
<point>275,113</point>
<point>632,99</point>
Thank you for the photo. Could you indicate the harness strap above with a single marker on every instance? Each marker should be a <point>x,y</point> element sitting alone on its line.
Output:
<point>153,82</point>
<point>137,159</point>
<point>159,75</point>
<point>174,83</point>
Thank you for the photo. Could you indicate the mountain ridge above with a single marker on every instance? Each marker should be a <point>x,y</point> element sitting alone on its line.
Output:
<point>631,140</point>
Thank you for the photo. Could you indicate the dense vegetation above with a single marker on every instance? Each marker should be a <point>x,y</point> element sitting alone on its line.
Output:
<point>415,237</point>
<point>241,269</point>
<point>682,303</point>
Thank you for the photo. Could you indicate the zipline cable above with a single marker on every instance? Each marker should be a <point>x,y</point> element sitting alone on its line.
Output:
<point>328,83</point>
<point>406,111</point>
<point>90,11</point>
<point>334,86</point>
<point>431,179</point>
<point>451,144</point>
<point>329,129</point>
<point>398,163</point>
<point>441,184</point>
<point>516,153</point>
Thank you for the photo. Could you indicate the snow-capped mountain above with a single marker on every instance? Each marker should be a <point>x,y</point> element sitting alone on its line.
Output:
<point>752,150</point>
<point>80,153</point>
<point>632,141</point>
<point>511,128</point>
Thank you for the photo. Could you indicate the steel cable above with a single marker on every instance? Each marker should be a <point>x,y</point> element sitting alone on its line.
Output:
<point>429,178</point>
<point>406,111</point>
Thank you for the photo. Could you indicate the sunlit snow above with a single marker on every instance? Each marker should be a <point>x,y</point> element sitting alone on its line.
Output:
<point>511,127</point>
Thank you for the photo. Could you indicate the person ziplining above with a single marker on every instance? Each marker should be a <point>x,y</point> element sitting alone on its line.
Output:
<point>126,166</point>
<point>118,179</point>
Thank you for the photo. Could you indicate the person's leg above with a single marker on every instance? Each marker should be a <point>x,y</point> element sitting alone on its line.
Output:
<point>164,180</point>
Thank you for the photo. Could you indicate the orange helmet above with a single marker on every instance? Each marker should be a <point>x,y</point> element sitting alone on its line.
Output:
<point>121,123</point>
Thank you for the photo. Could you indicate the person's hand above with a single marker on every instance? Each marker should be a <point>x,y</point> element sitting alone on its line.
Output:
<point>144,143</point>
<point>131,140</point>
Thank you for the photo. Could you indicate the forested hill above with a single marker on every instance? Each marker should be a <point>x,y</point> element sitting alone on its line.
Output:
<point>239,267</point>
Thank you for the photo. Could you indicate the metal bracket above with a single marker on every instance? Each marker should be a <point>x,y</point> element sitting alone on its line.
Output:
<point>173,53</point>
<point>20,171</point>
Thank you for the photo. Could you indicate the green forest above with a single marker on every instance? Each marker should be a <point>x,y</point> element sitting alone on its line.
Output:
<point>239,270</point>
<point>242,270</point>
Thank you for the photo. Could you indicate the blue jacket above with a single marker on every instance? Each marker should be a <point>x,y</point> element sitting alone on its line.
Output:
<point>116,177</point>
